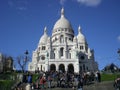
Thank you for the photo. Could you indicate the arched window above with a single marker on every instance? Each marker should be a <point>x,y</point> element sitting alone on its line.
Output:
<point>61,51</point>
<point>61,39</point>
<point>54,55</point>
<point>69,54</point>
<point>43,47</point>
<point>81,47</point>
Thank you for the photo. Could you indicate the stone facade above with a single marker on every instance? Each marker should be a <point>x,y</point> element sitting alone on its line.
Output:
<point>63,51</point>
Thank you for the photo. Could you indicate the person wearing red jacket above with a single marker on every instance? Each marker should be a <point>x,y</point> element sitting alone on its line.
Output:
<point>42,82</point>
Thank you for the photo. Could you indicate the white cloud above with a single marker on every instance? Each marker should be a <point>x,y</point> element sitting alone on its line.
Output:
<point>18,4</point>
<point>21,8</point>
<point>118,38</point>
<point>62,2</point>
<point>89,2</point>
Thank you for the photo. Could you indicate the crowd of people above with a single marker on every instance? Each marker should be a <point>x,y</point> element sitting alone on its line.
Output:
<point>54,79</point>
<point>65,80</point>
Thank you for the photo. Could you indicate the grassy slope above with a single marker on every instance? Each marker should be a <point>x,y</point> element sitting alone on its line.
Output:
<point>109,77</point>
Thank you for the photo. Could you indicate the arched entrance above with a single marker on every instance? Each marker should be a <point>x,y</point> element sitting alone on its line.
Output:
<point>52,67</point>
<point>70,68</point>
<point>62,67</point>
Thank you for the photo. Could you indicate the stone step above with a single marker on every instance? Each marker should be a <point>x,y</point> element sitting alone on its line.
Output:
<point>108,85</point>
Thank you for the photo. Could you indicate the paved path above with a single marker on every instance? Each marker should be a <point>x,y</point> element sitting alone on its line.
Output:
<point>108,85</point>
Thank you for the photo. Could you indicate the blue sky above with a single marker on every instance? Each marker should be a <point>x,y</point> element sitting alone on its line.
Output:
<point>22,23</point>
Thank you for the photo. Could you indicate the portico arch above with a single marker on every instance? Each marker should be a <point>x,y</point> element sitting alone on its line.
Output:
<point>62,67</point>
<point>52,67</point>
<point>70,68</point>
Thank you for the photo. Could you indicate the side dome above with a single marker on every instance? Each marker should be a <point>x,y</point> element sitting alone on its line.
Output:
<point>44,38</point>
<point>62,22</point>
<point>80,36</point>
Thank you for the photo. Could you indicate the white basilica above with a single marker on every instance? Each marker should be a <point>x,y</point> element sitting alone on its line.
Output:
<point>63,51</point>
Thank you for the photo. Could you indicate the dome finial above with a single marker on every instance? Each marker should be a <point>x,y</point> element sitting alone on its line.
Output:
<point>45,30</point>
<point>62,12</point>
<point>79,29</point>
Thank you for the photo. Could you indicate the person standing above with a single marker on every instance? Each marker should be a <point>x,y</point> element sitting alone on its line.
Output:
<point>42,82</point>
<point>99,77</point>
<point>49,81</point>
<point>29,79</point>
<point>96,76</point>
<point>80,84</point>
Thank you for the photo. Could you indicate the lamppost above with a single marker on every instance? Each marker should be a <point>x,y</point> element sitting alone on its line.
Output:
<point>26,55</point>
<point>22,61</point>
<point>26,58</point>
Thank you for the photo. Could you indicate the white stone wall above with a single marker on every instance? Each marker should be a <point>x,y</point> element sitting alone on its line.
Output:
<point>71,44</point>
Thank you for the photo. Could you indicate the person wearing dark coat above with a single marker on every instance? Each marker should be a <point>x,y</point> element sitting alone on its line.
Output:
<point>80,84</point>
<point>99,77</point>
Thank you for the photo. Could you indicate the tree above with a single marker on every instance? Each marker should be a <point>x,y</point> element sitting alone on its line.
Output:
<point>7,63</point>
<point>22,61</point>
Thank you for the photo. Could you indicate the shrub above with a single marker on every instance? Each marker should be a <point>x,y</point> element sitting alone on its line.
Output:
<point>6,84</point>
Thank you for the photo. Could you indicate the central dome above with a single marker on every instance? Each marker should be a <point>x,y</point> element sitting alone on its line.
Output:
<point>62,22</point>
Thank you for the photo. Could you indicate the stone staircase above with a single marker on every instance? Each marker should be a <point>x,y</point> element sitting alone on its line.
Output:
<point>107,85</point>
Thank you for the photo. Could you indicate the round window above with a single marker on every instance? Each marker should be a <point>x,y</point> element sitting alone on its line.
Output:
<point>43,57</point>
<point>82,57</point>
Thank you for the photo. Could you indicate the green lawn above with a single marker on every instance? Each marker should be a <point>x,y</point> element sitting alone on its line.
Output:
<point>109,77</point>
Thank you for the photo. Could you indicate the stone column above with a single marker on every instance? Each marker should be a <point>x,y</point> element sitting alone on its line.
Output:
<point>57,67</point>
<point>76,68</point>
<point>66,67</point>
